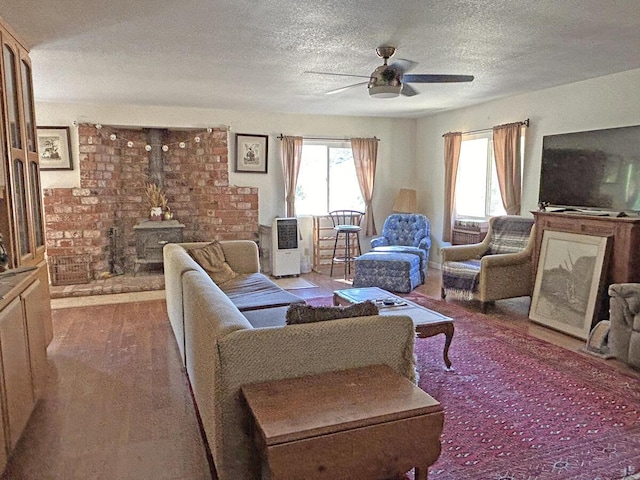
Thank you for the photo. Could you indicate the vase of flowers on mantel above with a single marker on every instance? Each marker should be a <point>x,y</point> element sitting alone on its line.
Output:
<point>157,202</point>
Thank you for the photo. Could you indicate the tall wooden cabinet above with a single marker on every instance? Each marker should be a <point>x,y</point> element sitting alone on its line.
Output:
<point>25,308</point>
<point>21,221</point>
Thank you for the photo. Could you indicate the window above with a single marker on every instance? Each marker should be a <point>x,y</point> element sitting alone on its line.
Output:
<point>327,179</point>
<point>477,188</point>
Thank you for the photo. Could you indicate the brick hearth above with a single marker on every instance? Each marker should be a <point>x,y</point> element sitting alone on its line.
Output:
<point>111,195</point>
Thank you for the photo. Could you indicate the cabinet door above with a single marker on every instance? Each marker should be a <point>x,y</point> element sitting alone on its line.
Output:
<point>36,308</point>
<point>27,106</point>
<point>15,365</point>
<point>11,95</point>
<point>4,447</point>
<point>25,226</point>
<point>17,155</point>
<point>44,300</point>
<point>33,162</point>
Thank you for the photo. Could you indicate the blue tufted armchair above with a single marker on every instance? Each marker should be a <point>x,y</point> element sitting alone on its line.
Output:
<point>406,233</point>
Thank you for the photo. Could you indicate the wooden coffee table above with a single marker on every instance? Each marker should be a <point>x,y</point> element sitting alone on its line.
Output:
<point>427,322</point>
<point>366,423</point>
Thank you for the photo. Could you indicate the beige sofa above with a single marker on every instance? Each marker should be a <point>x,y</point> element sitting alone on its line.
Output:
<point>222,351</point>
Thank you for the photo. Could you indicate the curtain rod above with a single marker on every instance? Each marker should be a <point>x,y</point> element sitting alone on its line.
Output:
<point>281,136</point>
<point>523,122</point>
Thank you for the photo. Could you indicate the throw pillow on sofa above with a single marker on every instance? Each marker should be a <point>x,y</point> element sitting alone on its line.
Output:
<point>301,313</point>
<point>211,258</point>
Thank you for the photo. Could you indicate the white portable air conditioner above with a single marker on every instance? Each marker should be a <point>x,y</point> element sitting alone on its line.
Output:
<point>285,253</point>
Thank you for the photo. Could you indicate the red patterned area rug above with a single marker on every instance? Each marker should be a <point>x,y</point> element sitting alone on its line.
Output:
<point>519,408</point>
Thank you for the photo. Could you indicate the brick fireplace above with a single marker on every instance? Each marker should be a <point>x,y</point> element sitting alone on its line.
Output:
<point>98,218</point>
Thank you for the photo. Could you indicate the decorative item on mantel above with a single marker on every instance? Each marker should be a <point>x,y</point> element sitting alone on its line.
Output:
<point>157,203</point>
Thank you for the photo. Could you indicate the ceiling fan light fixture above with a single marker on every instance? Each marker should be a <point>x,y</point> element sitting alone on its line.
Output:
<point>384,83</point>
<point>385,91</point>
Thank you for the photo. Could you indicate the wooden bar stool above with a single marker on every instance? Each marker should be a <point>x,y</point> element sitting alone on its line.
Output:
<point>347,223</point>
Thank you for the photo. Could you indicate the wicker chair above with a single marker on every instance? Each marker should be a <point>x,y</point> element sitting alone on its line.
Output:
<point>497,268</point>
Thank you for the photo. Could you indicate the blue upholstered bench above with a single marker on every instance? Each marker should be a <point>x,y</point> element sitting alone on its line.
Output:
<point>396,272</point>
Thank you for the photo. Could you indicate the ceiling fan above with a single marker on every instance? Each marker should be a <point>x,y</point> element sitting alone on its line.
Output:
<point>388,81</point>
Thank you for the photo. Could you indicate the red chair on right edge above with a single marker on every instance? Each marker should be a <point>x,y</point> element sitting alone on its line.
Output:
<point>497,268</point>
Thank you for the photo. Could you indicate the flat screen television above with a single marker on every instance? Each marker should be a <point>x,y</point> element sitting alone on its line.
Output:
<point>592,170</point>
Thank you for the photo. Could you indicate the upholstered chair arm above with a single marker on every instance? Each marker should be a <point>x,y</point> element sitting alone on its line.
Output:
<point>629,293</point>
<point>505,259</point>
<point>425,244</point>
<point>458,253</point>
<point>379,242</point>
<point>624,317</point>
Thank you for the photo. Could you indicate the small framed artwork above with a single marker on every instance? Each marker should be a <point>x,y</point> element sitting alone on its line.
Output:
<point>251,153</point>
<point>54,147</point>
<point>569,281</point>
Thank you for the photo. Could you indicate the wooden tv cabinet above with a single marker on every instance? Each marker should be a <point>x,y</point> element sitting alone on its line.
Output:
<point>624,233</point>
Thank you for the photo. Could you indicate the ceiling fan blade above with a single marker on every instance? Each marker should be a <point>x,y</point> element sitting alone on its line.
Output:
<point>342,89</point>
<point>408,90</point>
<point>435,78</point>
<point>403,65</point>
<point>337,74</point>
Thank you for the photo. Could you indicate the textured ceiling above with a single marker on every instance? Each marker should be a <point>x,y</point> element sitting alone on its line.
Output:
<point>252,55</point>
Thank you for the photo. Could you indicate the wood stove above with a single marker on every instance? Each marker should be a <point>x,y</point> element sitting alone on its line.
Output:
<point>151,237</point>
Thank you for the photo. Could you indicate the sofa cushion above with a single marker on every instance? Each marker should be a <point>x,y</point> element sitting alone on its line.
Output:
<point>266,317</point>
<point>211,258</point>
<point>255,291</point>
<point>301,313</point>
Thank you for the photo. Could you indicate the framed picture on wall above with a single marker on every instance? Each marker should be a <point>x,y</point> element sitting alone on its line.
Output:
<point>569,281</point>
<point>54,147</point>
<point>251,153</point>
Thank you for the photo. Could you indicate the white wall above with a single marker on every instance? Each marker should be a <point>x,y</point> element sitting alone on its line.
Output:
<point>396,152</point>
<point>410,151</point>
<point>605,102</point>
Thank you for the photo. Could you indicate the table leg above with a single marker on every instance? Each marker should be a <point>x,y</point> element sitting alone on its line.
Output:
<point>447,328</point>
<point>421,473</point>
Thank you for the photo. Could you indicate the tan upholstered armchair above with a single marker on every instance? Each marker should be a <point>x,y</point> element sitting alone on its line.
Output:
<point>499,267</point>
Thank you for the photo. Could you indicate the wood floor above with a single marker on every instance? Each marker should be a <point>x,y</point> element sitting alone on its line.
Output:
<point>116,405</point>
<point>117,402</point>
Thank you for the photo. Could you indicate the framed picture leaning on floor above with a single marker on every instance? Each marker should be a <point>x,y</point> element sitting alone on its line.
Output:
<point>569,281</point>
